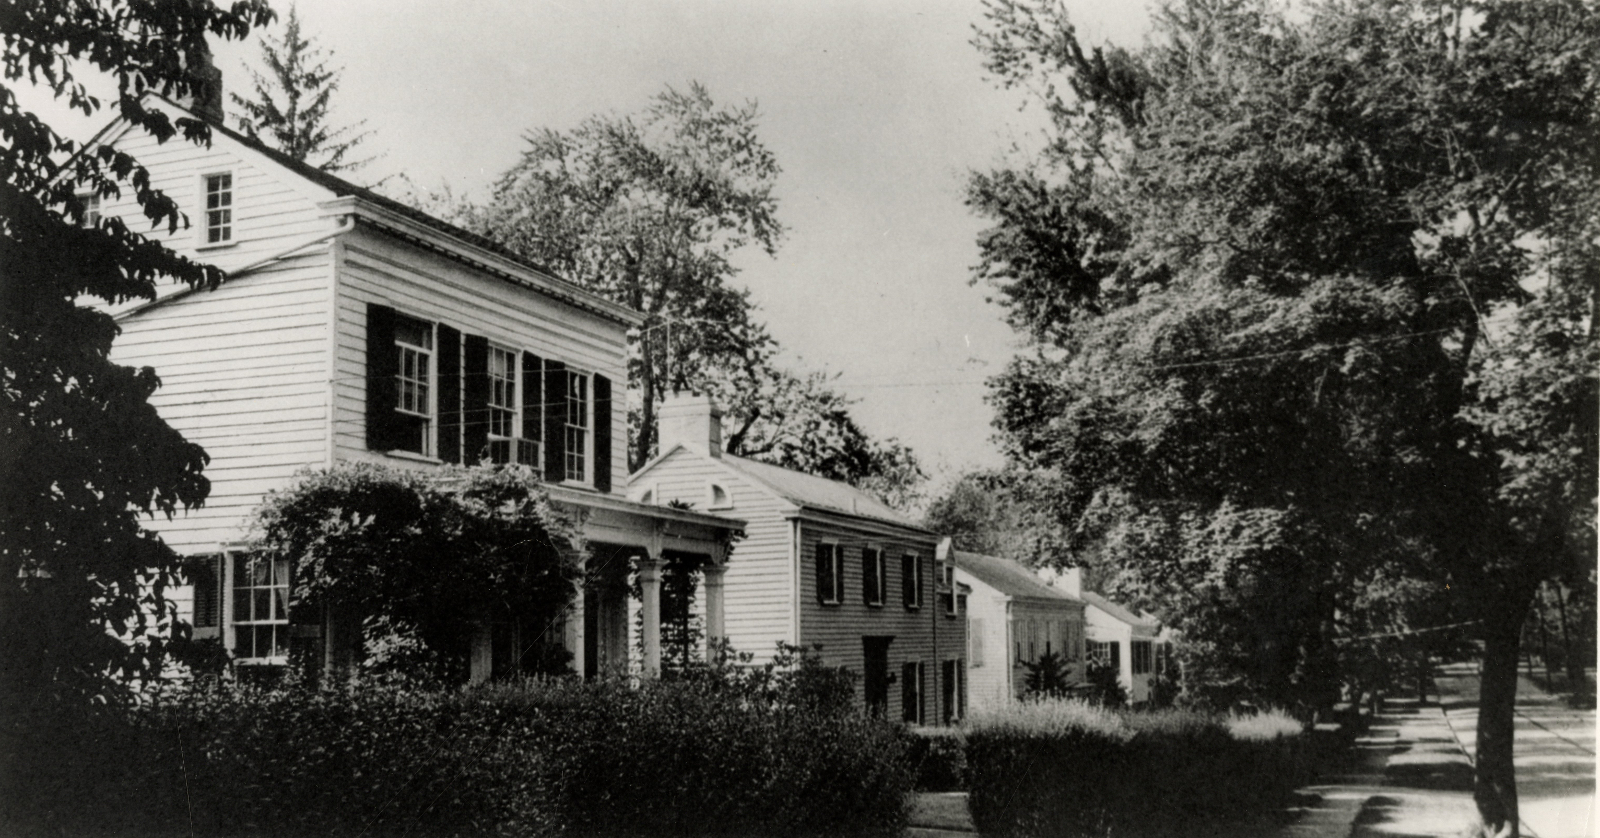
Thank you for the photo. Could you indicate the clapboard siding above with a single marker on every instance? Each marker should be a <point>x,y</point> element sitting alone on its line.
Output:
<point>989,685</point>
<point>840,628</point>
<point>379,269</point>
<point>758,589</point>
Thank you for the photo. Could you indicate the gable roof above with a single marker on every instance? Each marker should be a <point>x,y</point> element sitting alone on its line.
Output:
<point>809,491</point>
<point>1008,577</point>
<point>1118,611</point>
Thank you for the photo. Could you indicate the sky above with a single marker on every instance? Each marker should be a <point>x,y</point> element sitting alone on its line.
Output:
<point>876,112</point>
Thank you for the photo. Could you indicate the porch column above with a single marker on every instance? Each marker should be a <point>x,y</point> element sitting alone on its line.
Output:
<point>573,637</point>
<point>650,612</point>
<point>714,619</point>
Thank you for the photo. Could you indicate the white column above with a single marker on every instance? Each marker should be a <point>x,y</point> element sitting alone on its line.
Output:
<point>650,610</point>
<point>573,637</point>
<point>714,620</point>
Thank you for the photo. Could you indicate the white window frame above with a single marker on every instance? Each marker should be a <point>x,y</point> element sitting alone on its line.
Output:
<point>882,571</point>
<point>586,456</point>
<point>231,608</point>
<point>91,209</point>
<point>514,441</point>
<point>203,229</point>
<point>836,589</point>
<point>430,380</point>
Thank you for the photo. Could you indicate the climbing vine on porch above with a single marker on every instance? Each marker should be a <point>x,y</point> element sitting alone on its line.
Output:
<point>423,557</point>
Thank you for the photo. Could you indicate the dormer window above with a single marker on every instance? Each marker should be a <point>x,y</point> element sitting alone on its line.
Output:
<point>219,208</point>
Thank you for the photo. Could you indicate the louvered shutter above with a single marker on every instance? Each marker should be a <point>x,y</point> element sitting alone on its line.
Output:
<point>205,575</point>
<point>475,399</point>
<point>908,580</point>
<point>870,583</point>
<point>532,397</point>
<point>909,700</point>
<point>449,356</point>
<point>602,433</point>
<point>824,572</point>
<point>555,421</point>
<point>383,366</point>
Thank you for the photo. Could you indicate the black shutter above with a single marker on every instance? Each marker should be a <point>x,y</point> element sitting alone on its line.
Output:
<point>532,397</point>
<point>475,399</point>
<point>602,433</point>
<point>869,574</point>
<point>908,692</point>
<point>449,357</point>
<point>205,574</point>
<point>1116,655</point>
<point>555,421</point>
<point>908,580</point>
<point>383,365</point>
<point>824,572</point>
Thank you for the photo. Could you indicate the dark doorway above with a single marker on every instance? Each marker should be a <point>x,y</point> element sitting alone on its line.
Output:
<point>875,673</point>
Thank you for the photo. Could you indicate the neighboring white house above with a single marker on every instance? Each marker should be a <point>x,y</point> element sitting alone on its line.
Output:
<point>823,563</point>
<point>354,328</point>
<point>1128,641</point>
<point>1012,619</point>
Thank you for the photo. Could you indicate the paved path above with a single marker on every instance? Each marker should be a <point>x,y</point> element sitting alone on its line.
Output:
<point>1554,752</point>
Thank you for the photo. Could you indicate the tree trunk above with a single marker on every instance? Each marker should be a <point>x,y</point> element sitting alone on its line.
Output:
<point>1495,781</point>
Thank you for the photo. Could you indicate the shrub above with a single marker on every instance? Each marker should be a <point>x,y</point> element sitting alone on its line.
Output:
<point>1068,768</point>
<point>940,757</point>
<point>540,757</point>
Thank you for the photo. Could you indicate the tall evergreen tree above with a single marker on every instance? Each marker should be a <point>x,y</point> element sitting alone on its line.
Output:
<point>289,110</point>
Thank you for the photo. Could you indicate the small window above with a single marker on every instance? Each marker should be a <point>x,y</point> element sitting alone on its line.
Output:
<point>911,581</point>
<point>219,208</point>
<point>91,209</point>
<point>260,609</point>
<point>719,497</point>
<point>830,574</point>
<point>872,576</point>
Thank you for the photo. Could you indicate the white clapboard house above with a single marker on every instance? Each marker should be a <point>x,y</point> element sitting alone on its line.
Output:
<point>823,564</point>
<point>1014,618</point>
<point>354,328</point>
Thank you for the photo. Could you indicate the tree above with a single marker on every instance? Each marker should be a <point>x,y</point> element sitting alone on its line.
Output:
<point>1260,263</point>
<point>290,108</point>
<point>1002,512</point>
<point>647,211</point>
<point>84,454</point>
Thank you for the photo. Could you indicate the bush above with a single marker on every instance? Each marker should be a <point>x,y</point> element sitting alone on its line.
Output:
<point>940,757</point>
<point>1067,768</point>
<point>531,758</point>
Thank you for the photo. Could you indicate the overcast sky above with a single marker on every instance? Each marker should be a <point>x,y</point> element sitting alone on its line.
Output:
<point>875,110</point>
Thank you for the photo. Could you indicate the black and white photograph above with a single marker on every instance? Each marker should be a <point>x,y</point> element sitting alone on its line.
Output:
<point>876,418</point>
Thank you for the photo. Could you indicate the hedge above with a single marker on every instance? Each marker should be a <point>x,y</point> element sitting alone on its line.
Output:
<point>534,759</point>
<point>1064,768</point>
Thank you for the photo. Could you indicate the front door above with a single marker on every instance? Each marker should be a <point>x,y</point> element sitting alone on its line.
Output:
<point>875,673</point>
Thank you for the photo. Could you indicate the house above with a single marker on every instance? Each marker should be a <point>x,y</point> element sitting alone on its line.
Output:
<point>1129,642</point>
<point>1013,619</point>
<point>355,329</point>
<point>822,564</point>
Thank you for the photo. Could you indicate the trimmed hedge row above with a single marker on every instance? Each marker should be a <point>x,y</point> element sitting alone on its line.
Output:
<point>552,758</point>
<point>1063,768</point>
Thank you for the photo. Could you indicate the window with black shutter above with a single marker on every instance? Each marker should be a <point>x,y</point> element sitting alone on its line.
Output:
<point>830,575</point>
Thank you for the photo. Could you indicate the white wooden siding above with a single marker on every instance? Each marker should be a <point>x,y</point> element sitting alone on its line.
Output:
<point>379,269</point>
<point>758,586</point>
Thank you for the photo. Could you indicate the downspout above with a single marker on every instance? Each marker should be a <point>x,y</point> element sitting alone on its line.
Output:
<point>335,267</point>
<point>794,560</point>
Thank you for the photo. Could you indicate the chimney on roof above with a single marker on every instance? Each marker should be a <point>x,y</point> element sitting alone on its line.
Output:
<point>691,421</point>
<point>204,100</point>
<point>1071,581</point>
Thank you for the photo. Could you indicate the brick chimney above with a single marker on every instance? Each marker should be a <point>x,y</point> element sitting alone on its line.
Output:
<point>691,421</point>
<point>205,101</point>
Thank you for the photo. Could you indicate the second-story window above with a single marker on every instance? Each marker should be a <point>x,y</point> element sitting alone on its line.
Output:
<point>577,427</point>
<point>911,580</point>
<point>872,576</point>
<point>91,209</point>
<point>413,340</point>
<point>219,208</point>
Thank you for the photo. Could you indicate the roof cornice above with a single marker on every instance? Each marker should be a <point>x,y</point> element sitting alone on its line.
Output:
<point>441,242</point>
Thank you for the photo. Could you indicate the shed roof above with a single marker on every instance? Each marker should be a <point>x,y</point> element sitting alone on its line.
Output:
<point>1008,577</point>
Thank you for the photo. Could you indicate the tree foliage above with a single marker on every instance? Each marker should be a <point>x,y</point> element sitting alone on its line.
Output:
<point>424,556</point>
<point>289,108</point>
<point>1266,265</point>
<point>648,210</point>
<point>84,454</point>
